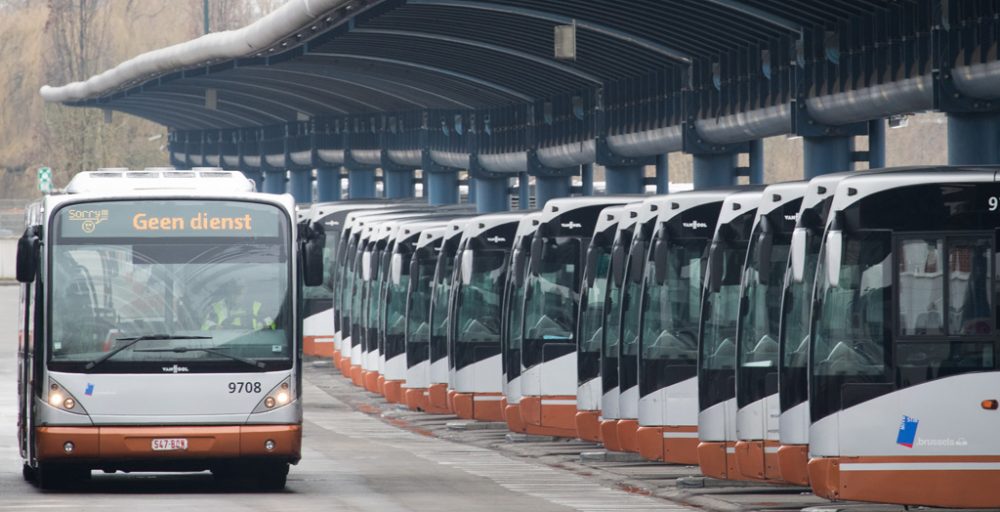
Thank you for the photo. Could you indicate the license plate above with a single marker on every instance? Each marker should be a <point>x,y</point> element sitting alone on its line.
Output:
<point>162,445</point>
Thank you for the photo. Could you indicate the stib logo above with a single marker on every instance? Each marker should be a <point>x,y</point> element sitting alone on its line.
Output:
<point>907,431</point>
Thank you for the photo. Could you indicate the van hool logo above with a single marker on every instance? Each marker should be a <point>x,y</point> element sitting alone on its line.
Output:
<point>89,219</point>
<point>175,369</point>
<point>695,224</point>
<point>571,225</point>
<point>496,239</point>
<point>790,217</point>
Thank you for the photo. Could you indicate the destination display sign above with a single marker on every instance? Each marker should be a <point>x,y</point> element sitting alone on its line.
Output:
<point>165,219</point>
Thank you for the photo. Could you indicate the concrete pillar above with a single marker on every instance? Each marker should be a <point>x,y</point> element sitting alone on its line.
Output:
<point>327,184</point>
<point>662,174</point>
<point>491,194</point>
<point>361,183</point>
<point>550,187</point>
<point>441,187</point>
<point>876,144</point>
<point>711,171</point>
<point>973,139</point>
<point>823,155</point>
<point>587,179</point>
<point>274,181</point>
<point>300,185</point>
<point>624,180</point>
<point>523,191</point>
<point>756,162</point>
<point>398,183</point>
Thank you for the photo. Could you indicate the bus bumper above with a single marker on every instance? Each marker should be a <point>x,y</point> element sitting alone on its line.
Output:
<point>135,443</point>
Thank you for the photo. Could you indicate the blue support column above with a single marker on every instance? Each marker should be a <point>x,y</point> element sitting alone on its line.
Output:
<point>327,184</point>
<point>624,180</point>
<point>876,144</point>
<point>470,197</point>
<point>662,174</point>
<point>398,183</point>
<point>823,155</point>
<point>441,187</point>
<point>973,139</point>
<point>756,162</point>
<point>491,194</point>
<point>523,191</point>
<point>587,179</point>
<point>714,170</point>
<point>361,183</point>
<point>300,185</point>
<point>274,181</point>
<point>550,187</point>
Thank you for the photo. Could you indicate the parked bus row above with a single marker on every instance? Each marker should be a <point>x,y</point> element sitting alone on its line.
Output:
<point>838,333</point>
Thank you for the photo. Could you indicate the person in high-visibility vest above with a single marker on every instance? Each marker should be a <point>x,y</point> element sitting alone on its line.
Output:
<point>230,312</point>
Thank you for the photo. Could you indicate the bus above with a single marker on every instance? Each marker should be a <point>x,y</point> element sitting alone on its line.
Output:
<point>903,376</point>
<point>159,327</point>
<point>720,299</point>
<point>793,331</point>
<point>668,334</point>
<point>551,299</point>
<point>590,325</point>
<point>757,411</point>
<point>423,260</point>
<point>510,333</point>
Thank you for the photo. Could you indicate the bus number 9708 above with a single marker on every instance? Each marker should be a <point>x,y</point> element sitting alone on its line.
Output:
<point>244,387</point>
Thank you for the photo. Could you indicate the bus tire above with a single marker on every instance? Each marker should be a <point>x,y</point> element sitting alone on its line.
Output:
<point>273,477</point>
<point>49,477</point>
<point>28,473</point>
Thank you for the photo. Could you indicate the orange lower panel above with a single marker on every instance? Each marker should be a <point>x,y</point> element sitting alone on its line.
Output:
<point>531,410</point>
<point>416,399</point>
<point>463,404</point>
<point>356,376</point>
<point>681,450</point>
<point>437,399</point>
<point>512,415</point>
<point>561,417</point>
<point>793,462</point>
<point>91,443</point>
<point>309,345</point>
<point>718,460</point>
<point>628,430</point>
<point>928,484</point>
<point>393,391</point>
<point>380,385</point>
<point>588,426</point>
<point>487,407</point>
<point>451,400</point>
<point>503,409</point>
<point>650,441</point>
<point>609,435</point>
<point>370,380</point>
<point>324,346</point>
<point>336,359</point>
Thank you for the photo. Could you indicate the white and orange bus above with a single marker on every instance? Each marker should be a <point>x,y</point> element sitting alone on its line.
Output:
<point>159,327</point>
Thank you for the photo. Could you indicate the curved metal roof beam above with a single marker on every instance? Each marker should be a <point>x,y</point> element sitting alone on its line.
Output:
<point>564,20</point>
<point>269,90</point>
<point>759,14</point>
<point>403,99</point>
<point>485,46</point>
<point>183,100</point>
<point>447,72</point>
<point>359,84</point>
<point>173,118</point>
<point>200,100</point>
<point>183,109</point>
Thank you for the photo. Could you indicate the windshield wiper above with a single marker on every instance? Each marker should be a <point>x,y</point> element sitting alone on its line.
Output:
<point>133,340</point>
<point>180,350</point>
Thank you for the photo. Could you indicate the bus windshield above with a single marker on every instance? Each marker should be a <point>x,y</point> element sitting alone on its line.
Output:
<point>477,306</point>
<point>325,290</point>
<point>439,301</point>
<point>395,308</point>
<point>592,300</point>
<point>671,305</point>
<point>759,321</point>
<point>550,299</point>
<point>214,269</point>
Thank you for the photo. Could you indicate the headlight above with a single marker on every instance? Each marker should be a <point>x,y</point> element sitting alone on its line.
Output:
<point>59,398</point>
<point>279,396</point>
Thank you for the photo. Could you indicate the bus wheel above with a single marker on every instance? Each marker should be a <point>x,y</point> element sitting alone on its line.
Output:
<point>273,477</point>
<point>49,477</point>
<point>28,473</point>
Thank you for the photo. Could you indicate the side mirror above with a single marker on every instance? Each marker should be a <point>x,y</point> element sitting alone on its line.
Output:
<point>27,255</point>
<point>466,263</point>
<point>834,251</point>
<point>660,260</point>
<point>366,265</point>
<point>396,268</point>
<point>312,257</point>
<point>537,248</point>
<point>715,268</point>
<point>797,254</point>
<point>618,264</point>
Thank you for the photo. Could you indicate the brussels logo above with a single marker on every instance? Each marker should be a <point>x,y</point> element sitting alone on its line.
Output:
<point>907,432</point>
